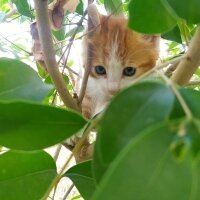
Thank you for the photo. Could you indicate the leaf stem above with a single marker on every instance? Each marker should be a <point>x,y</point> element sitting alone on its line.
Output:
<point>75,151</point>
<point>181,100</point>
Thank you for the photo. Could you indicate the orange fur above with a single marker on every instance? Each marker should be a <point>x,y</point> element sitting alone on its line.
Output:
<point>131,49</point>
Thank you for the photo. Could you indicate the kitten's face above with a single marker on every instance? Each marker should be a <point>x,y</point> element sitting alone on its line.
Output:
<point>119,55</point>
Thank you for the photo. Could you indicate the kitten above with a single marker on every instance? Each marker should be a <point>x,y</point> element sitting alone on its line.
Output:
<point>118,56</point>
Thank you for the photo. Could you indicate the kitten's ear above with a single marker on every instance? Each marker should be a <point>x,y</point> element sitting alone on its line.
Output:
<point>153,39</point>
<point>94,17</point>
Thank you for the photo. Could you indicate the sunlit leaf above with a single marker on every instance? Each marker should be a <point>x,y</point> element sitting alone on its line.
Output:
<point>3,2</point>
<point>23,7</point>
<point>113,6</point>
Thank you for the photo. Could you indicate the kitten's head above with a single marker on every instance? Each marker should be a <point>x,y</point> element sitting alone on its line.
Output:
<point>118,54</point>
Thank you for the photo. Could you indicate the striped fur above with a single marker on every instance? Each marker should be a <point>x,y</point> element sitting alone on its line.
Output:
<point>115,47</point>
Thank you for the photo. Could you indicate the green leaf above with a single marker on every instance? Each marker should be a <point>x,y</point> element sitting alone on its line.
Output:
<point>177,111</point>
<point>77,198</point>
<point>193,135</point>
<point>192,99</point>
<point>135,109</point>
<point>19,82</point>
<point>3,2</point>
<point>114,6</point>
<point>60,34</point>
<point>188,10</point>
<point>23,7</point>
<point>150,17</point>
<point>100,2</point>
<point>145,169</point>
<point>82,177</point>
<point>173,35</point>
<point>26,126</point>
<point>80,8</point>
<point>25,175</point>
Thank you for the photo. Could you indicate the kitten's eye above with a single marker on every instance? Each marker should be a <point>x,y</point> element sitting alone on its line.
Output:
<point>129,71</point>
<point>100,70</point>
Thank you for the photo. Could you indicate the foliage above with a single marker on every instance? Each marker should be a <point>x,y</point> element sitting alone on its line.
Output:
<point>148,138</point>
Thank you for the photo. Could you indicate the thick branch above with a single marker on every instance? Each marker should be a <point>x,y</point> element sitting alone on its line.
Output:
<point>49,55</point>
<point>189,63</point>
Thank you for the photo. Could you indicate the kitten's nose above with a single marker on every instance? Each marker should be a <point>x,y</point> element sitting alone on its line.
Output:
<point>113,88</point>
<point>113,92</point>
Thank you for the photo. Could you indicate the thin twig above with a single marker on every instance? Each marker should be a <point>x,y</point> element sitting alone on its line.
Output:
<point>75,151</point>
<point>68,192</point>
<point>79,23</point>
<point>170,70</point>
<point>181,100</point>
<point>57,153</point>
<point>194,83</point>
<point>157,67</point>
<point>58,149</point>
<point>49,55</point>
<point>58,177</point>
<point>88,63</point>
<point>173,61</point>
<point>16,45</point>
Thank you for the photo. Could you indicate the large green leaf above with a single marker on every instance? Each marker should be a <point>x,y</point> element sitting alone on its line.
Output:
<point>82,177</point>
<point>23,7</point>
<point>147,170</point>
<point>150,17</point>
<point>188,10</point>
<point>19,82</point>
<point>26,126</point>
<point>25,175</point>
<point>132,111</point>
<point>113,6</point>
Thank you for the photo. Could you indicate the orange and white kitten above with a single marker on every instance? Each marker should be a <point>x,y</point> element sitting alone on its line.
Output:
<point>118,56</point>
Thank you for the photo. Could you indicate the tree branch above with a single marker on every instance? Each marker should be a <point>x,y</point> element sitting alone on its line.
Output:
<point>49,55</point>
<point>190,63</point>
<point>88,64</point>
